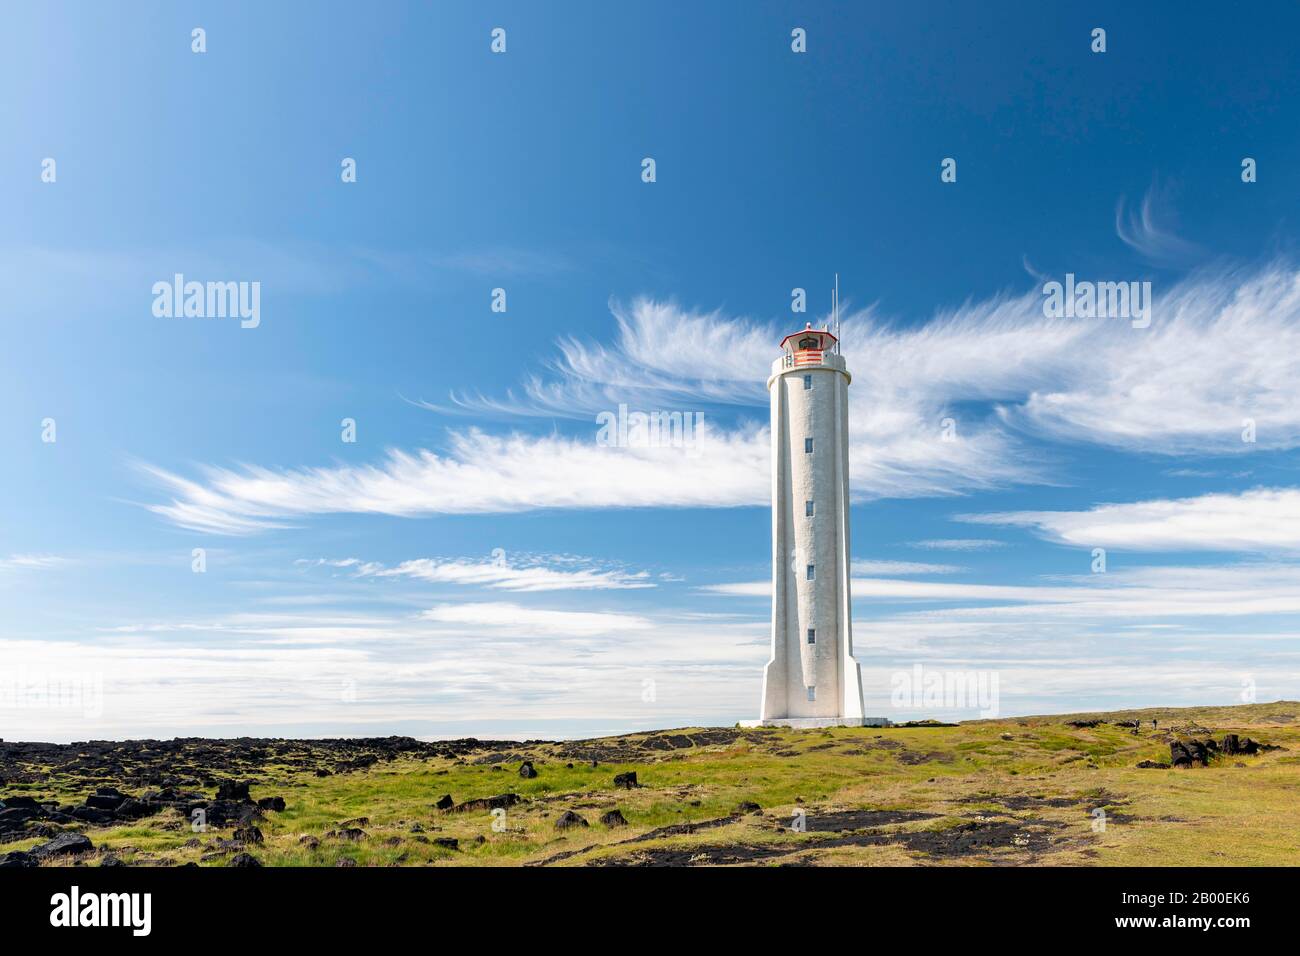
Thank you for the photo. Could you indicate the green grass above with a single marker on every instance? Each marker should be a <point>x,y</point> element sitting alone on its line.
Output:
<point>1238,811</point>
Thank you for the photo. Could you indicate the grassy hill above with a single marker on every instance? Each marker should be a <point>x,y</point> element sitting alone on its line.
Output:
<point>1030,790</point>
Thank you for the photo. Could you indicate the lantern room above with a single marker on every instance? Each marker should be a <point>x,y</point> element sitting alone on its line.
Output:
<point>807,347</point>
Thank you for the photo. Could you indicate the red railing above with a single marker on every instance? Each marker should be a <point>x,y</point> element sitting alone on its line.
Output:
<point>808,357</point>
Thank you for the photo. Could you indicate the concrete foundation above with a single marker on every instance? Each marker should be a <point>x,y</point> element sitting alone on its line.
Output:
<point>806,723</point>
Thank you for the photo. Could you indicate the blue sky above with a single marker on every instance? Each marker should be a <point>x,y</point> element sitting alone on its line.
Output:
<point>476,562</point>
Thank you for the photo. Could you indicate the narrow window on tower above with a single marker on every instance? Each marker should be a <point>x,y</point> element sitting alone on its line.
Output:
<point>812,572</point>
<point>812,635</point>
<point>808,509</point>
<point>812,693</point>
<point>807,382</point>
<point>807,446</point>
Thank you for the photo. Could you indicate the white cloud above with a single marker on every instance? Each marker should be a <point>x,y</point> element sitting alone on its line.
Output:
<point>899,590</point>
<point>1176,592</point>
<point>1137,229</point>
<point>481,474</point>
<point>645,367</point>
<point>326,672</point>
<point>506,577</point>
<point>1221,348</point>
<point>1265,519</point>
<point>32,562</point>
<point>574,670</point>
<point>959,544</point>
<point>902,567</point>
<point>518,572</point>
<point>517,619</point>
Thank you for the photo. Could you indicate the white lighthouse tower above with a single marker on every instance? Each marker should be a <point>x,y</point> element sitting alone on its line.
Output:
<point>812,679</point>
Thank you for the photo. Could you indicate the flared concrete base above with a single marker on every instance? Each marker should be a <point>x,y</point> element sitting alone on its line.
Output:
<point>804,723</point>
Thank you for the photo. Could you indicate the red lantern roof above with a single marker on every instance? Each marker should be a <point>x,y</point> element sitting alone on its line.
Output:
<point>823,339</point>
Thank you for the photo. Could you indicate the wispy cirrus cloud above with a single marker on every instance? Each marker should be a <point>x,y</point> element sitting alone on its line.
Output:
<point>1263,519</point>
<point>1159,245</point>
<point>643,366</point>
<point>959,544</point>
<point>1221,348</point>
<point>903,567</point>
<point>507,618</point>
<point>33,562</point>
<point>522,573</point>
<point>481,474</point>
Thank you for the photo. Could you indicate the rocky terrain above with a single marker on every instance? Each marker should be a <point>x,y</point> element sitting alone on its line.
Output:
<point>1072,789</point>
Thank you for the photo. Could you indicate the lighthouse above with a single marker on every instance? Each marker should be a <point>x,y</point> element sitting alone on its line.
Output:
<point>811,679</point>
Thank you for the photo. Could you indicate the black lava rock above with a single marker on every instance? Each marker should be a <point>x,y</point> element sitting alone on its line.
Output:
<point>248,835</point>
<point>17,800</point>
<point>488,803</point>
<point>64,844</point>
<point>568,820</point>
<point>105,801</point>
<point>236,790</point>
<point>133,809</point>
<point>1232,745</point>
<point>93,816</point>
<point>347,833</point>
<point>1192,752</point>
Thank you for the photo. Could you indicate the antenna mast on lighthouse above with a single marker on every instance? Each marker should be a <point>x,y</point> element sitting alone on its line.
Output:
<point>835,311</point>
